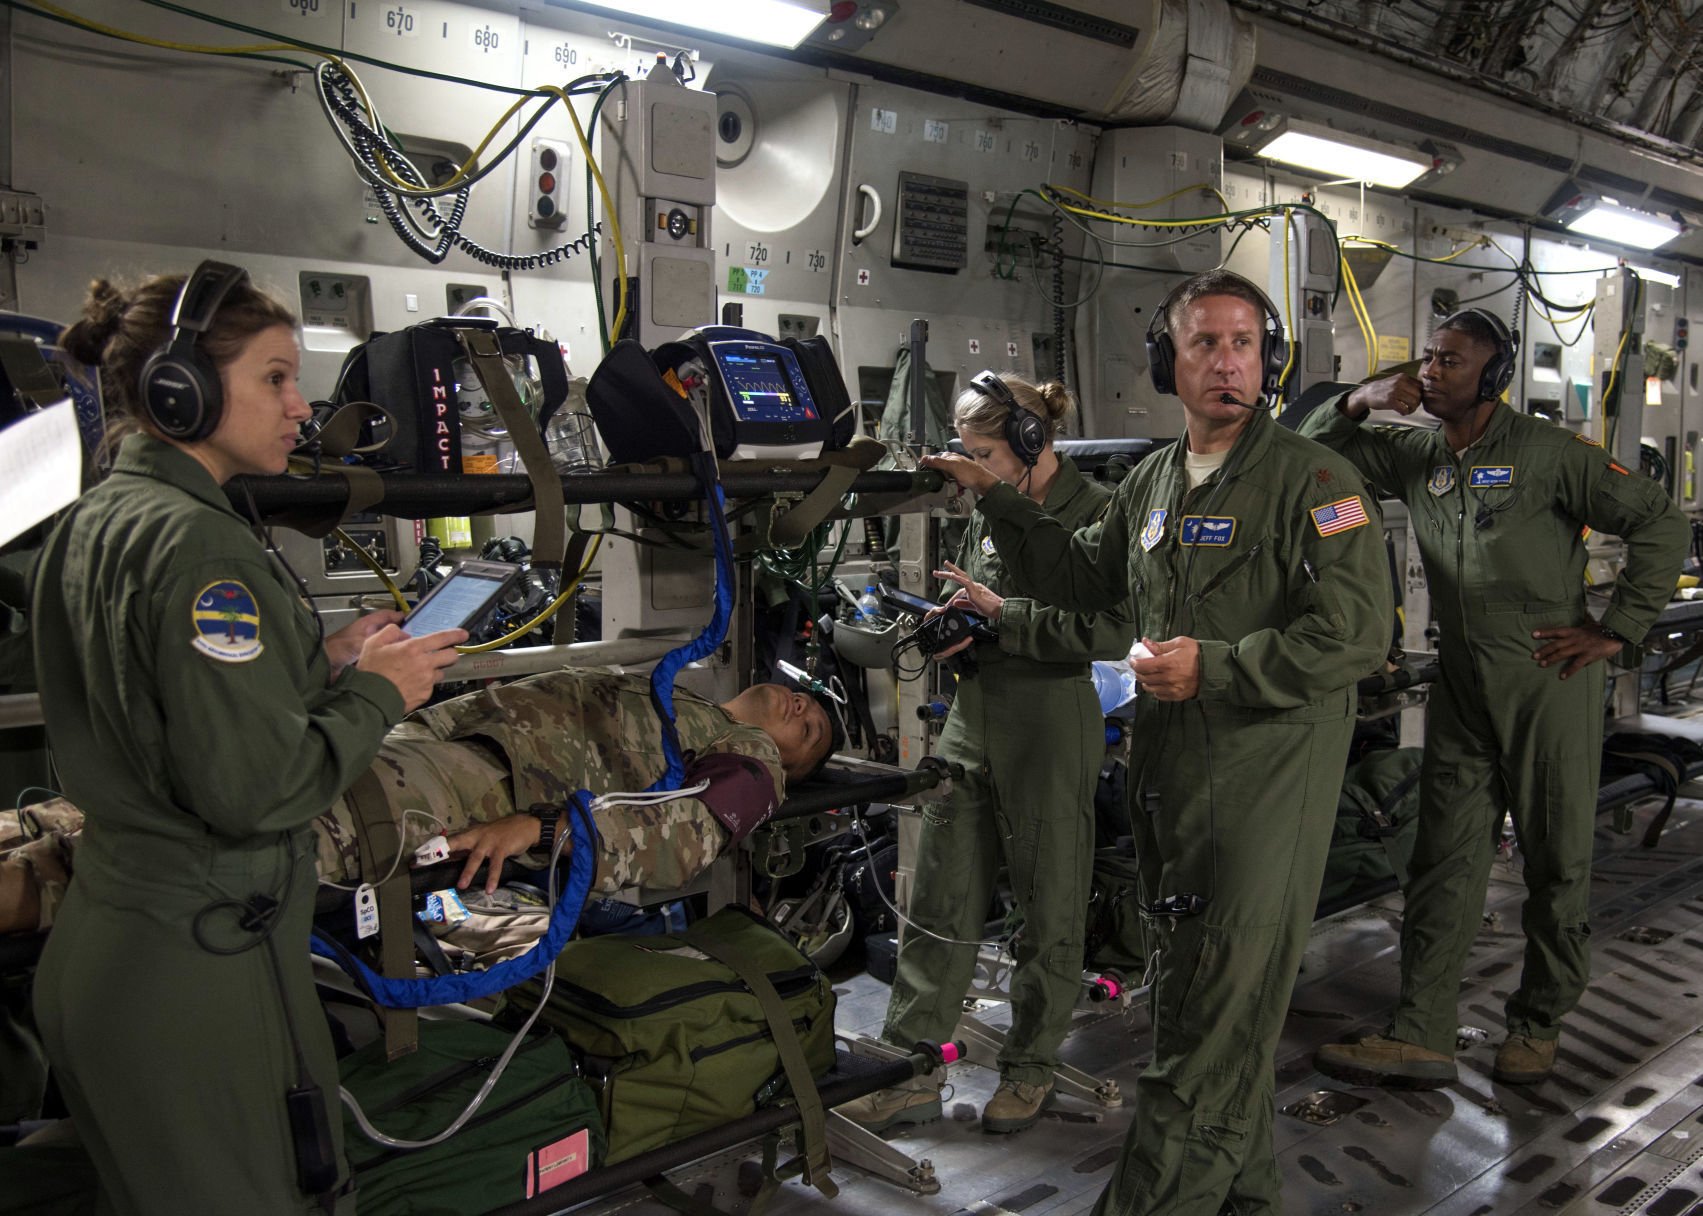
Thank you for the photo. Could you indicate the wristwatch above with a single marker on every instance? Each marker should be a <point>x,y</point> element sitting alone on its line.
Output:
<point>549,816</point>
<point>1612,636</point>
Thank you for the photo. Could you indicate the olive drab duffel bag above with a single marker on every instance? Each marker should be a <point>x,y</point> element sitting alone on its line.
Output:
<point>689,1031</point>
<point>538,1127</point>
<point>1377,822</point>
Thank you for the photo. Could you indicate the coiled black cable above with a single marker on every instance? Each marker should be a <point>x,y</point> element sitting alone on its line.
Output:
<point>371,149</point>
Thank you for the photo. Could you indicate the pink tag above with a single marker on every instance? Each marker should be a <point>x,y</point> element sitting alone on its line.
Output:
<point>556,1163</point>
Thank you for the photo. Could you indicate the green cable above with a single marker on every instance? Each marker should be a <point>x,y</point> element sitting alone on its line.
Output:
<point>77,25</point>
<point>596,260</point>
<point>356,56</point>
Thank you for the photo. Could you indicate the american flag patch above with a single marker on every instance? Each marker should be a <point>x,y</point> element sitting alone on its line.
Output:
<point>1339,516</point>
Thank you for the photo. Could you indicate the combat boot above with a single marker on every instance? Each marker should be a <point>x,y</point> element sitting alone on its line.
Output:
<point>1523,1060</point>
<point>1378,1060</point>
<point>1014,1106</point>
<point>913,1101</point>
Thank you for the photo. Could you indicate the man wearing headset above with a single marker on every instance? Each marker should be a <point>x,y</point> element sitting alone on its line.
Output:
<point>1499,501</point>
<point>1262,591</point>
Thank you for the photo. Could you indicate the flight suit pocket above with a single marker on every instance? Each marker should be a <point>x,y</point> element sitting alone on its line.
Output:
<point>1546,796</point>
<point>1233,573</point>
<point>1184,965</point>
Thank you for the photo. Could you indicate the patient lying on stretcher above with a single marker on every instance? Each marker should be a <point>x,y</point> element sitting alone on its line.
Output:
<point>469,768</point>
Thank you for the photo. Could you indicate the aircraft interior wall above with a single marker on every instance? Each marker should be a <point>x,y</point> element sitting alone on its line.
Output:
<point>234,158</point>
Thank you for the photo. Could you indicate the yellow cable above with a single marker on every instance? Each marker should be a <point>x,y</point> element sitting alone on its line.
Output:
<point>1359,320</point>
<point>1195,222</point>
<point>371,563</point>
<point>1367,240</point>
<point>549,611</point>
<point>1478,244</point>
<point>1363,315</point>
<point>398,184</point>
<point>1100,202</point>
<point>1488,241</point>
<point>98,27</point>
<point>608,211</point>
<point>1613,374</point>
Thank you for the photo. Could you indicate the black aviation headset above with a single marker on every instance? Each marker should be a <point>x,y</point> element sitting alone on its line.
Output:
<point>181,392</point>
<point>1162,349</point>
<point>1499,371</point>
<point>1025,430</point>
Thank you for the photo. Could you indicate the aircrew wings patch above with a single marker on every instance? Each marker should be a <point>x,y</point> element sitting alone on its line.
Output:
<point>227,622</point>
<point>1339,516</point>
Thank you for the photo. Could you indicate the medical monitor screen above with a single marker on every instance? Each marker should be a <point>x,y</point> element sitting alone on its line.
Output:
<point>760,390</point>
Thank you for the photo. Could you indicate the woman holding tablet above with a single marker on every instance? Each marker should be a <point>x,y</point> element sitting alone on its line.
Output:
<point>201,720</point>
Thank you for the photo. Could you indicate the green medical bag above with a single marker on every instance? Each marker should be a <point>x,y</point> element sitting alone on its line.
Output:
<point>538,1128</point>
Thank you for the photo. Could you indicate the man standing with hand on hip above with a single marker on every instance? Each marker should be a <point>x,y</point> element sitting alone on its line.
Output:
<point>1500,502</point>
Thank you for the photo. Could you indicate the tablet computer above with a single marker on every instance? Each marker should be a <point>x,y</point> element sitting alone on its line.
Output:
<point>462,600</point>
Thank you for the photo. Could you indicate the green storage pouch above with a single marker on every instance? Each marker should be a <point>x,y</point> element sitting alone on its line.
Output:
<point>1115,939</point>
<point>676,1042</point>
<point>538,1128</point>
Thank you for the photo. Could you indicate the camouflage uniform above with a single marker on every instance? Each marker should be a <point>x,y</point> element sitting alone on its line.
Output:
<point>458,764</point>
<point>481,756</point>
<point>37,848</point>
<point>35,857</point>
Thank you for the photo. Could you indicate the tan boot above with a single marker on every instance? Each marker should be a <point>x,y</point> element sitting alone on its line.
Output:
<point>1377,1060</point>
<point>1014,1106</point>
<point>1523,1060</point>
<point>910,1102</point>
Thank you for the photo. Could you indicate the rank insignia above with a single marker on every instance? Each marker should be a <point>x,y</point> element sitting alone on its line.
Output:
<point>1587,439</point>
<point>1491,476</point>
<point>987,546</point>
<point>1154,532</point>
<point>227,622</point>
<point>1442,479</point>
<point>1208,531</point>
<point>1339,516</point>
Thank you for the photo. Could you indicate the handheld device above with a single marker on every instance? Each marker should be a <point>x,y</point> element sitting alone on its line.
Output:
<point>972,623</point>
<point>943,632</point>
<point>462,600</point>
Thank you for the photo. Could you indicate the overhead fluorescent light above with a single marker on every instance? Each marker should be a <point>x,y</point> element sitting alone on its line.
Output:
<point>1610,221</point>
<point>1344,157</point>
<point>1590,213</point>
<point>782,23</point>
<point>1651,275</point>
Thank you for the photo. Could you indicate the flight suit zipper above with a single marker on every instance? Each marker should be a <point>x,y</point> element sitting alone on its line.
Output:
<point>1460,561</point>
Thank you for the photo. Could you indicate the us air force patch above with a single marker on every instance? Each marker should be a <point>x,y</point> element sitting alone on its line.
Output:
<point>1155,529</point>
<point>227,622</point>
<point>1442,479</point>
<point>1211,531</point>
<point>987,546</point>
<point>1490,476</point>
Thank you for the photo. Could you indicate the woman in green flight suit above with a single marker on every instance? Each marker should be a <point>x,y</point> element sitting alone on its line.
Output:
<point>1028,730</point>
<point>201,719</point>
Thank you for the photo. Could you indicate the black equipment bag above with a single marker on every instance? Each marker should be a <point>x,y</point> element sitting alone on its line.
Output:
<point>639,416</point>
<point>411,374</point>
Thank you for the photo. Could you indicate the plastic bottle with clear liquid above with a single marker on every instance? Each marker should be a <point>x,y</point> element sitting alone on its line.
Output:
<point>869,605</point>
